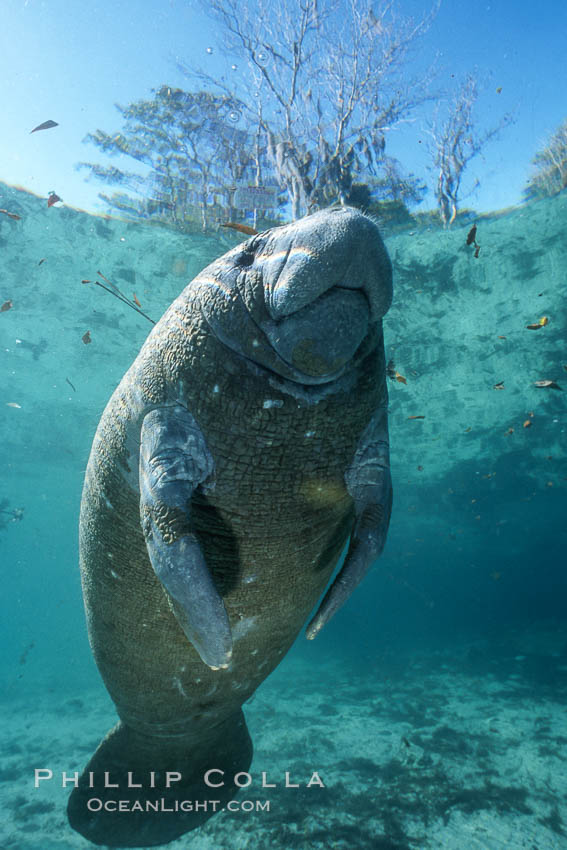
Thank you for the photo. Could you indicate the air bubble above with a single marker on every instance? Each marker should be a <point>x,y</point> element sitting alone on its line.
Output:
<point>262,57</point>
<point>209,50</point>
<point>234,116</point>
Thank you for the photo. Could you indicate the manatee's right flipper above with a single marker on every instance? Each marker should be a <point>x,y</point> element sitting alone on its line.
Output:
<point>157,815</point>
<point>369,483</point>
<point>174,460</point>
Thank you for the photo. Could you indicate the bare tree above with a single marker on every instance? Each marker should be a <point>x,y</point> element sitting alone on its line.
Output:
<point>332,80</point>
<point>455,143</point>
<point>550,172</point>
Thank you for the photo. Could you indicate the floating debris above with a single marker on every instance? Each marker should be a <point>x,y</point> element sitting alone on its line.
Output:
<point>499,386</point>
<point>15,216</point>
<point>471,240</point>
<point>499,90</point>
<point>13,514</point>
<point>69,382</point>
<point>43,259</point>
<point>528,423</point>
<point>47,125</point>
<point>113,289</point>
<point>537,325</point>
<point>416,417</point>
<point>135,299</point>
<point>241,228</point>
<point>13,404</point>
<point>551,385</point>
<point>7,305</point>
<point>509,431</point>
<point>393,374</point>
<point>86,337</point>
<point>502,337</point>
<point>24,655</point>
<point>52,199</point>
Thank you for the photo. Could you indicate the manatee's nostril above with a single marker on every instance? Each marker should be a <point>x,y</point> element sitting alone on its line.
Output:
<point>245,259</point>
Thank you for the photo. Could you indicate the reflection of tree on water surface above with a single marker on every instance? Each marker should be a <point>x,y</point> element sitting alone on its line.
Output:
<point>305,107</point>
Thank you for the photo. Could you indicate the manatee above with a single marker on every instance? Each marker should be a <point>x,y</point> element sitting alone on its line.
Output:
<point>242,450</point>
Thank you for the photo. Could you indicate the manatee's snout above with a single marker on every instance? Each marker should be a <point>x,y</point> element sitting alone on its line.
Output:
<point>327,278</point>
<point>322,337</point>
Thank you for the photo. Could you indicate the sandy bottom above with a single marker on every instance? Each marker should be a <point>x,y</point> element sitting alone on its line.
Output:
<point>459,749</point>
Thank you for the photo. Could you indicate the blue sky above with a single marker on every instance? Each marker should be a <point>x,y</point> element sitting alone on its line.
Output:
<point>71,61</point>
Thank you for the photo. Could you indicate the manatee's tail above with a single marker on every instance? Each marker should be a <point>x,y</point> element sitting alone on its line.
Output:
<point>130,816</point>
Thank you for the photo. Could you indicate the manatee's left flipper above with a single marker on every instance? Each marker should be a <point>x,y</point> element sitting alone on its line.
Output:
<point>369,483</point>
<point>174,460</point>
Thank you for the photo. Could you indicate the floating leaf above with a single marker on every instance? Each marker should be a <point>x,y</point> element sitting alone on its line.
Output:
<point>7,305</point>
<point>528,423</point>
<point>241,228</point>
<point>400,378</point>
<point>15,216</point>
<point>47,125</point>
<point>86,337</point>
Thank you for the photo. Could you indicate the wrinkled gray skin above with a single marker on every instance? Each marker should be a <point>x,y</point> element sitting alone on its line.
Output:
<point>242,449</point>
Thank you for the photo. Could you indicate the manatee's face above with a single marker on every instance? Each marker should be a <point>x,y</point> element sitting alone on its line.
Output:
<point>313,292</point>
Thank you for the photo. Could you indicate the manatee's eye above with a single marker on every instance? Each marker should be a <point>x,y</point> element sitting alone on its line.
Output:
<point>246,258</point>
